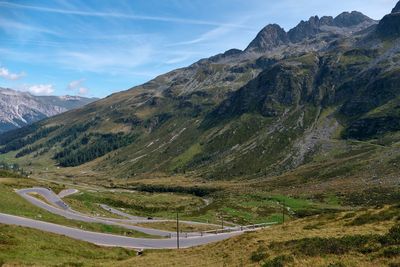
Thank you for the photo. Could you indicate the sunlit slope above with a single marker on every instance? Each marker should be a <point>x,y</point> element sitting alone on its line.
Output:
<point>256,113</point>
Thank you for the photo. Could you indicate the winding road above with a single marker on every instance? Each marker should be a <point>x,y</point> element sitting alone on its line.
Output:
<point>57,206</point>
<point>113,240</point>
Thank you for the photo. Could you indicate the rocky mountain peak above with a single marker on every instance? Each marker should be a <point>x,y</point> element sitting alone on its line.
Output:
<point>396,9</point>
<point>347,19</point>
<point>268,38</point>
<point>389,26</point>
<point>306,29</point>
<point>314,26</point>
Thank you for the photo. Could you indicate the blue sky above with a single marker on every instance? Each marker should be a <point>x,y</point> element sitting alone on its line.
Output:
<point>97,47</point>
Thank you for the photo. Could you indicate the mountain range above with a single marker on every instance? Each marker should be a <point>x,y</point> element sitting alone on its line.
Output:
<point>321,101</point>
<point>18,109</point>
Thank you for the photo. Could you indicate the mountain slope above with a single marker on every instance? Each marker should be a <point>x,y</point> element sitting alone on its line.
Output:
<point>18,109</point>
<point>326,90</point>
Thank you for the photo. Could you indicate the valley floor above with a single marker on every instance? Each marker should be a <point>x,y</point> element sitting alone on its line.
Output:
<point>341,237</point>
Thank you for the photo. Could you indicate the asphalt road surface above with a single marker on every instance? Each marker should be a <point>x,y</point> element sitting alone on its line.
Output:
<point>62,209</point>
<point>67,192</point>
<point>57,206</point>
<point>113,240</point>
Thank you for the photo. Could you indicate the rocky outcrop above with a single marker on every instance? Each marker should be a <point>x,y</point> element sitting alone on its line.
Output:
<point>396,9</point>
<point>354,18</point>
<point>268,38</point>
<point>316,25</point>
<point>273,36</point>
<point>389,26</point>
<point>307,29</point>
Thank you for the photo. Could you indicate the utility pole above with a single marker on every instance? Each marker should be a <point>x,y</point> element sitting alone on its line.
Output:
<point>283,212</point>
<point>177,229</point>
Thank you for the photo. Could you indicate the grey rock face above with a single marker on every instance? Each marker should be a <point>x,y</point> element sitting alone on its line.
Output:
<point>389,26</point>
<point>396,9</point>
<point>305,29</point>
<point>316,25</point>
<point>268,38</point>
<point>347,19</point>
<point>18,109</point>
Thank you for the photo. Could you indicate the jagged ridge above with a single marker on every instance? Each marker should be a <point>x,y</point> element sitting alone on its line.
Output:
<point>18,109</point>
<point>286,99</point>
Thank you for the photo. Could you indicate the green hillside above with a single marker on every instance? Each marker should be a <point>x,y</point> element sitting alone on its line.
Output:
<point>242,115</point>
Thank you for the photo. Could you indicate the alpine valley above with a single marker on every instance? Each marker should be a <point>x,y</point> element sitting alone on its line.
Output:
<point>300,129</point>
<point>321,100</point>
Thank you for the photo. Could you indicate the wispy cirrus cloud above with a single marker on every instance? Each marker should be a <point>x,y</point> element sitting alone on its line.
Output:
<point>207,36</point>
<point>6,74</point>
<point>11,26</point>
<point>119,15</point>
<point>102,59</point>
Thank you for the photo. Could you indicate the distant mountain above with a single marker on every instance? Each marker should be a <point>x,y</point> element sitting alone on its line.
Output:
<point>321,101</point>
<point>18,109</point>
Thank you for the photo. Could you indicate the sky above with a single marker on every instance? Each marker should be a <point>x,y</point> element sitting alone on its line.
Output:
<point>97,47</point>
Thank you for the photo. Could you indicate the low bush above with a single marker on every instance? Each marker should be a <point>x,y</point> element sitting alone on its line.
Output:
<point>317,246</point>
<point>279,261</point>
<point>259,255</point>
<point>393,237</point>
<point>387,245</point>
<point>336,264</point>
<point>368,218</point>
<point>391,252</point>
<point>195,190</point>
<point>9,174</point>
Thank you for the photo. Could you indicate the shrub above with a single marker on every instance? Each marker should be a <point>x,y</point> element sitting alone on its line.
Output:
<point>318,246</point>
<point>259,255</point>
<point>391,252</point>
<point>392,237</point>
<point>336,264</point>
<point>349,215</point>
<point>73,264</point>
<point>198,191</point>
<point>279,261</point>
<point>9,174</point>
<point>367,218</point>
<point>394,234</point>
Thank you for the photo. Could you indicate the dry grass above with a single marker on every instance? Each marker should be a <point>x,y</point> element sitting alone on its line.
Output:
<point>41,198</point>
<point>237,251</point>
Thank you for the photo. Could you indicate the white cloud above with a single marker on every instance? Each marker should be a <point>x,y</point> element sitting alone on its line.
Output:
<point>78,86</point>
<point>75,84</point>
<point>6,74</point>
<point>83,90</point>
<point>41,89</point>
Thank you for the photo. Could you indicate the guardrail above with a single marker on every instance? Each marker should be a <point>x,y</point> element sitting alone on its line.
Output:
<point>225,230</point>
<point>240,228</point>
